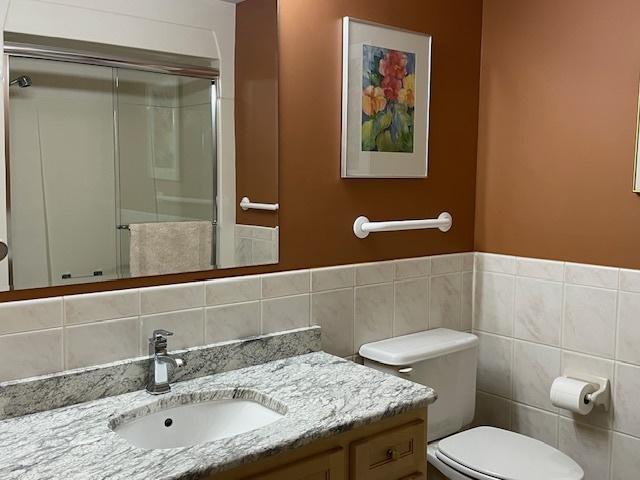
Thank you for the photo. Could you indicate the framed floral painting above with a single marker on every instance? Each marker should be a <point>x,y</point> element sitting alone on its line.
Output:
<point>385,101</point>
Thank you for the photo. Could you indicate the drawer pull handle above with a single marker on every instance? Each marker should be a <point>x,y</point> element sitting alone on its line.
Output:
<point>405,370</point>
<point>392,454</point>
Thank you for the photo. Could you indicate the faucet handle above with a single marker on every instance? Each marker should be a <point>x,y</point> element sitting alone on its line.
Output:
<point>161,334</point>
<point>158,341</point>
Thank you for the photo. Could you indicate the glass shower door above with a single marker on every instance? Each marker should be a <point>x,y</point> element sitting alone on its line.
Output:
<point>62,175</point>
<point>165,158</point>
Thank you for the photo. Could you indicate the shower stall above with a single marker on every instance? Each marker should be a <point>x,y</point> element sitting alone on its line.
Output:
<point>95,148</point>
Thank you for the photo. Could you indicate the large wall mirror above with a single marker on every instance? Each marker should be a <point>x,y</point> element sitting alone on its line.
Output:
<point>125,163</point>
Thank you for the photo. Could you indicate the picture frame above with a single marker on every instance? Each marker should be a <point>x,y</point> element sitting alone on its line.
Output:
<point>386,80</point>
<point>636,160</point>
<point>164,159</point>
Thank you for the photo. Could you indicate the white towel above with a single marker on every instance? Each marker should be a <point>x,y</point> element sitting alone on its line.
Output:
<point>169,247</point>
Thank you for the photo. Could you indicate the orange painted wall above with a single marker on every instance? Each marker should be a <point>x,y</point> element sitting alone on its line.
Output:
<point>558,99</point>
<point>318,207</point>
<point>256,108</point>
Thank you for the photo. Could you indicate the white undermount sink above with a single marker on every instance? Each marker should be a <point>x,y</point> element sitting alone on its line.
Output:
<point>190,419</point>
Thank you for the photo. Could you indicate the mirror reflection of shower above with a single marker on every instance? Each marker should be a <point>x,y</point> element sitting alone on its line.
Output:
<point>22,81</point>
<point>93,148</point>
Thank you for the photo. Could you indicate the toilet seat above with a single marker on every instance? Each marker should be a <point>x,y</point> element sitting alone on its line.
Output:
<point>487,453</point>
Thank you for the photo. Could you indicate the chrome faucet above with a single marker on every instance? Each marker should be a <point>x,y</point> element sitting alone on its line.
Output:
<point>158,381</point>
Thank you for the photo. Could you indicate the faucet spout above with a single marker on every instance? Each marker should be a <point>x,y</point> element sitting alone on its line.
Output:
<point>174,362</point>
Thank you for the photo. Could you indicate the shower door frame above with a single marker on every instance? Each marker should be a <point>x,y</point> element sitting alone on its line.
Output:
<point>147,63</point>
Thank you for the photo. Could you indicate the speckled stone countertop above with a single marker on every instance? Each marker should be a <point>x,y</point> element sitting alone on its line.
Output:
<point>323,395</point>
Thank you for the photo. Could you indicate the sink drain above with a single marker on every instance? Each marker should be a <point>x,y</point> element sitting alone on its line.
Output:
<point>168,422</point>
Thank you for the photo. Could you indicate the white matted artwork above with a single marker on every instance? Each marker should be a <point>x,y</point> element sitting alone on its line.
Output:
<point>386,77</point>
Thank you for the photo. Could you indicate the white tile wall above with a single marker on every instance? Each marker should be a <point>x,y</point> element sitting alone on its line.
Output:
<point>446,306</point>
<point>30,315</point>
<point>334,311</point>
<point>31,353</point>
<point>373,313</point>
<point>255,245</point>
<point>494,364</point>
<point>285,283</point>
<point>187,327</point>
<point>101,342</point>
<point>411,306</point>
<point>378,272</point>
<point>285,313</point>
<point>232,290</point>
<point>168,298</point>
<point>560,318</point>
<point>391,298</point>
<point>538,310</point>
<point>492,410</point>
<point>94,307</point>
<point>535,423</point>
<point>594,308</point>
<point>625,461</point>
<point>413,268</point>
<point>587,445</point>
<point>229,322</point>
<point>332,278</point>
<point>494,302</point>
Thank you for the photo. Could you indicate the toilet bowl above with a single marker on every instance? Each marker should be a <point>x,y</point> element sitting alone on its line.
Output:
<point>488,453</point>
<point>446,360</point>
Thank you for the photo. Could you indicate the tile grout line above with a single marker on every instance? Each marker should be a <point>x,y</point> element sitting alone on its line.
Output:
<point>394,293</point>
<point>615,372</point>
<point>513,340</point>
<point>355,312</point>
<point>63,334</point>
<point>562,350</point>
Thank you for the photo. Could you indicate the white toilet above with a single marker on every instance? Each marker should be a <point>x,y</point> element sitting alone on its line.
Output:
<point>446,360</point>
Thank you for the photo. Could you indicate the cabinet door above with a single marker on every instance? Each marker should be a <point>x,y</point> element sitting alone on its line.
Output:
<point>329,465</point>
<point>395,454</point>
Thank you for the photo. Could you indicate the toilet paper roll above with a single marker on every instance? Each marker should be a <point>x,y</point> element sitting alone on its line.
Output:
<point>571,394</point>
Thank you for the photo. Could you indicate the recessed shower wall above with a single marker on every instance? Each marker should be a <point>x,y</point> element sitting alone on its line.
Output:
<point>94,148</point>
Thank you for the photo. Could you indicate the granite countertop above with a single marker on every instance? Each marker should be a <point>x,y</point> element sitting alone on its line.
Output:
<point>323,395</point>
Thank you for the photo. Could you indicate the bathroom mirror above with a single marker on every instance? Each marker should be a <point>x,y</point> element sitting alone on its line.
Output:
<point>125,163</point>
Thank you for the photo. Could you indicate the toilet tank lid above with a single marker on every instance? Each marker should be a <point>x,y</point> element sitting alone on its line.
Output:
<point>413,348</point>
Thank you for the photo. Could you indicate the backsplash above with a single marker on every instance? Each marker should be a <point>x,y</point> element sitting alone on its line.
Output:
<point>354,304</point>
<point>46,392</point>
<point>539,319</point>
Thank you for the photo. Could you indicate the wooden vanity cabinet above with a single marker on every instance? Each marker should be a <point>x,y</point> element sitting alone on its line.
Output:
<point>324,466</point>
<point>391,449</point>
<point>396,453</point>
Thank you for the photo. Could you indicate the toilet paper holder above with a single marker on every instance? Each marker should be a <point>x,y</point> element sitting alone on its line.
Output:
<point>602,395</point>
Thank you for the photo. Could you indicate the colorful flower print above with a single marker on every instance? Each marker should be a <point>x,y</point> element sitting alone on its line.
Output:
<point>388,100</point>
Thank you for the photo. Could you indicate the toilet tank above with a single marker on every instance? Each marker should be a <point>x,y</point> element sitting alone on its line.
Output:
<point>442,359</point>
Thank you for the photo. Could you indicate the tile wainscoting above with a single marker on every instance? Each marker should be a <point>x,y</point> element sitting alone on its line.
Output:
<point>255,245</point>
<point>539,319</point>
<point>354,304</point>
<point>536,319</point>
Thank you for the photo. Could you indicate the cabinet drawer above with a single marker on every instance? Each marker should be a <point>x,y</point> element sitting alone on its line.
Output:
<point>391,455</point>
<point>324,466</point>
